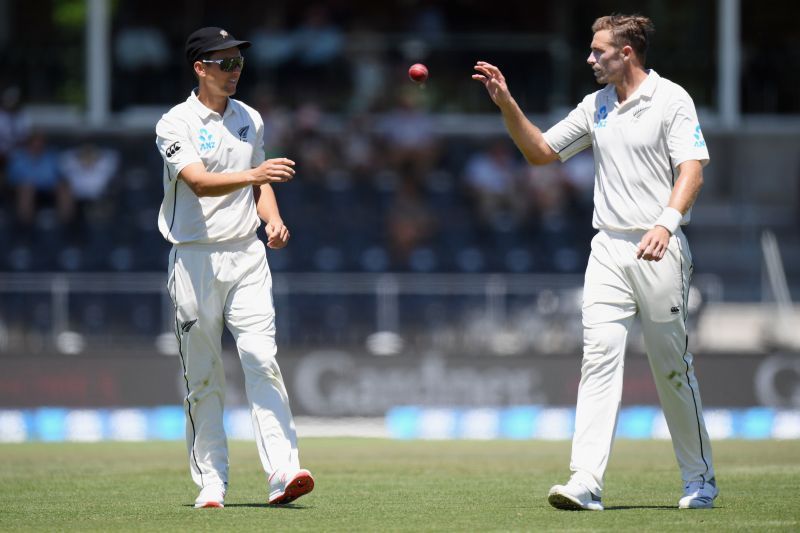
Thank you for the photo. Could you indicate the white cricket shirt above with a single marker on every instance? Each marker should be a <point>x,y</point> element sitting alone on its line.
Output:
<point>232,142</point>
<point>637,148</point>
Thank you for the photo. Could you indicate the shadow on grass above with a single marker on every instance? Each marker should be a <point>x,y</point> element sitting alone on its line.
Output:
<point>288,506</point>
<point>291,506</point>
<point>657,507</point>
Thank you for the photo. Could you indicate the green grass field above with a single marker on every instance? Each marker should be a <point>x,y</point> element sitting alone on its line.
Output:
<point>382,485</point>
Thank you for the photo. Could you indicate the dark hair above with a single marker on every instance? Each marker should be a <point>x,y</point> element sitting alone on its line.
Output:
<point>630,30</point>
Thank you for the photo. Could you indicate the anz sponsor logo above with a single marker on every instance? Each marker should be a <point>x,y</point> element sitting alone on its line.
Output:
<point>243,133</point>
<point>207,141</point>
<point>173,149</point>
<point>699,141</point>
<point>600,118</point>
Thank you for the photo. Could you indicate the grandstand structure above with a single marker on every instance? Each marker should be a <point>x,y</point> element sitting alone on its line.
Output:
<point>105,73</point>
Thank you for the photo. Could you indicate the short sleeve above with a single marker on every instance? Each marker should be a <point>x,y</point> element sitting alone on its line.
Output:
<point>684,135</point>
<point>258,143</point>
<point>571,135</point>
<point>175,147</point>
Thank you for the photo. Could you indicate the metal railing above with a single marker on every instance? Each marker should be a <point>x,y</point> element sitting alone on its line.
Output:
<point>503,313</point>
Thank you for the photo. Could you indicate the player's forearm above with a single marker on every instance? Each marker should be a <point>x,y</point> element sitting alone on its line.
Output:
<point>267,204</point>
<point>684,193</point>
<point>687,187</point>
<point>526,135</point>
<point>204,183</point>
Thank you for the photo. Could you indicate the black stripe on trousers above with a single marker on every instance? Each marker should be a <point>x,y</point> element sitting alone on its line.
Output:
<point>183,364</point>
<point>685,294</point>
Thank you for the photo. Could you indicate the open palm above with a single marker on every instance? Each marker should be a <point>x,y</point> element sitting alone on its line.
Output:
<point>494,81</point>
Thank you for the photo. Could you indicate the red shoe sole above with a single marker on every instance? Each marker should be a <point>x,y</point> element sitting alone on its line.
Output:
<point>210,504</point>
<point>300,485</point>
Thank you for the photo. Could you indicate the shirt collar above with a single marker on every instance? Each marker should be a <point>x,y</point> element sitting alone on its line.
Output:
<point>645,90</point>
<point>204,112</point>
<point>648,86</point>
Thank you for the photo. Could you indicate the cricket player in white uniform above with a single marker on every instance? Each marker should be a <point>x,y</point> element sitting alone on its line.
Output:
<point>649,153</point>
<point>216,186</point>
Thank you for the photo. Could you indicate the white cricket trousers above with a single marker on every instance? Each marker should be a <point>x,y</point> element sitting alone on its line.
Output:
<point>617,288</point>
<point>228,284</point>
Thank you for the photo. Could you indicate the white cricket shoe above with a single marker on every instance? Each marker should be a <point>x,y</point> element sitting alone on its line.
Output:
<point>211,496</point>
<point>573,497</point>
<point>699,495</point>
<point>287,486</point>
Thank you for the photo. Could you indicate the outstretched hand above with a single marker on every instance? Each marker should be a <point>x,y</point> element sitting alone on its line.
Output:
<point>494,81</point>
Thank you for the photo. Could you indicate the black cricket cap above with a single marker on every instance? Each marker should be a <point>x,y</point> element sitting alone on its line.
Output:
<point>210,39</point>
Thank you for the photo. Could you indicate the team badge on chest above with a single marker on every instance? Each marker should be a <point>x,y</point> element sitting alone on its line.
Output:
<point>207,140</point>
<point>601,117</point>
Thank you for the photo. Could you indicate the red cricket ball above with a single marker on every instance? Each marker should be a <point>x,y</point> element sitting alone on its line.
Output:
<point>418,72</point>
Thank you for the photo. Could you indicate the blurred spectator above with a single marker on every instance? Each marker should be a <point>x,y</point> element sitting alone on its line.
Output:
<point>428,21</point>
<point>318,71</point>
<point>313,148</point>
<point>318,40</point>
<point>579,172</point>
<point>141,55</point>
<point>410,223</point>
<point>560,215</point>
<point>368,69</point>
<point>141,48</point>
<point>273,45</point>
<point>547,193</point>
<point>277,119</point>
<point>88,169</point>
<point>304,58</point>
<point>492,178</point>
<point>357,148</point>
<point>411,145</point>
<point>34,175</point>
<point>14,127</point>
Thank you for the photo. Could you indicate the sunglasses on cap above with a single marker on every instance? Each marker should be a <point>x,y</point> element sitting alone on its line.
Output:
<point>228,64</point>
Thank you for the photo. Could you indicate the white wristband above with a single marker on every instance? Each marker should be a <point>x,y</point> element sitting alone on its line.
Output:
<point>670,218</point>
